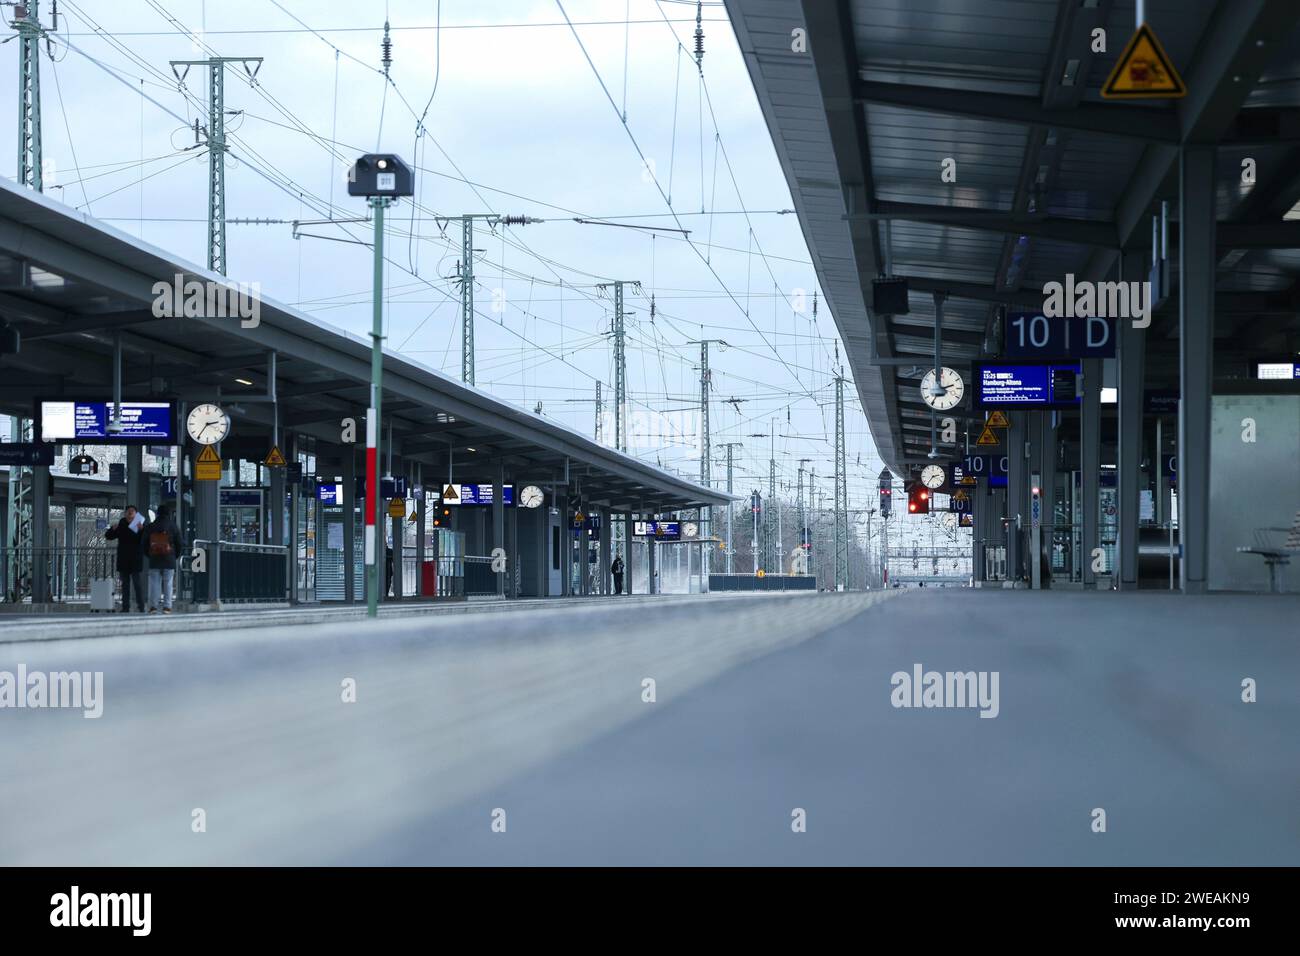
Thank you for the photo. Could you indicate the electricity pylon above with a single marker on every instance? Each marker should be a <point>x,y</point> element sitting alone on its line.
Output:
<point>216,142</point>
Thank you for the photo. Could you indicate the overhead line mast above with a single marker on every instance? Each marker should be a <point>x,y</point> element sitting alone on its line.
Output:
<point>216,142</point>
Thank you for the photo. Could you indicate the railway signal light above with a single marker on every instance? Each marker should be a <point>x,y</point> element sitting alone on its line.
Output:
<point>918,500</point>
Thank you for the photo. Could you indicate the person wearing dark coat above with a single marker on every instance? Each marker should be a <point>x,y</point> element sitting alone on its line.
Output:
<point>616,569</point>
<point>128,533</point>
<point>162,545</point>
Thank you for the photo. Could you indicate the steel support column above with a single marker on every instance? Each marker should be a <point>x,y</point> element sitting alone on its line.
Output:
<point>604,558</point>
<point>1051,453</point>
<point>136,489</point>
<point>499,524</point>
<point>1090,466</point>
<point>1131,360</point>
<point>1017,494</point>
<point>349,459</point>
<point>651,561</point>
<point>70,547</point>
<point>1196,266</point>
<point>1034,466</point>
<point>627,553</point>
<point>41,532</point>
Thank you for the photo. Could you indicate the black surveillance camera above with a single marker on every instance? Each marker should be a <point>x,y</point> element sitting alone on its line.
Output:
<point>381,174</point>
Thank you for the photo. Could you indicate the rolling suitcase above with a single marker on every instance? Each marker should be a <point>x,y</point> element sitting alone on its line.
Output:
<point>101,594</point>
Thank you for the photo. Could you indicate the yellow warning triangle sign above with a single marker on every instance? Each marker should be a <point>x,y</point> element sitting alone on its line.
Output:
<point>1144,70</point>
<point>449,493</point>
<point>209,455</point>
<point>998,419</point>
<point>274,459</point>
<point>987,437</point>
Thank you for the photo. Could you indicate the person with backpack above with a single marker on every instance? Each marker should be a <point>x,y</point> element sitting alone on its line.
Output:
<point>162,545</point>
<point>128,533</point>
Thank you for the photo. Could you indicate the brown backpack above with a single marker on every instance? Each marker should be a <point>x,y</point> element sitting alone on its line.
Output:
<point>160,544</point>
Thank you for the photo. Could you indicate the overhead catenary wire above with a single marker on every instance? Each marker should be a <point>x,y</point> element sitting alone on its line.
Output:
<point>657,339</point>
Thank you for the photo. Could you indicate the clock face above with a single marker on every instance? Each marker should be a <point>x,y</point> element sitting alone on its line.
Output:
<point>208,424</point>
<point>531,497</point>
<point>949,392</point>
<point>933,476</point>
<point>690,529</point>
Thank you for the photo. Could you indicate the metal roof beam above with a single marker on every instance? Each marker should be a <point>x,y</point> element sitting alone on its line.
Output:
<point>93,323</point>
<point>1088,232</point>
<point>1236,46</point>
<point>1151,125</point>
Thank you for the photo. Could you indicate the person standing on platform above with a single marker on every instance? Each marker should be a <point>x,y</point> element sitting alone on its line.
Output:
<point>130,556</point>
<point>616,569</point>
<point>162,543</point>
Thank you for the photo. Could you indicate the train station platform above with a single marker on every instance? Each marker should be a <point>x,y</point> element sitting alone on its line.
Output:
<point>19,628</point>
<point>103,322</point>
<point>973,200</point>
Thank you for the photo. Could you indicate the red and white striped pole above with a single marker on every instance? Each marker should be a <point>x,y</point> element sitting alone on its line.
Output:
<point>372,485</point>
<point>373,579</point>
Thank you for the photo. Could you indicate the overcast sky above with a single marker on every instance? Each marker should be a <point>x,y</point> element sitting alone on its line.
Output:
<point>519,112</point>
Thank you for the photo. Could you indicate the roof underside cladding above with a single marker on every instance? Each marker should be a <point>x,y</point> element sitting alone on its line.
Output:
<point>908,149</point>
<point>999,46</point>
<point>1048,174</point>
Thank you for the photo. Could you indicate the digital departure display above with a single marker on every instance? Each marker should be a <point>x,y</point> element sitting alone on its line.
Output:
<point>470,494</point>
<point>1027,385</point>
<point>330,494</point>
<point>659,530</point>
<point>141,422</point>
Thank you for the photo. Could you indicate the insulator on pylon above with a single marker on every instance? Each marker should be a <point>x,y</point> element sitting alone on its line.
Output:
<point>699,36</point>
<point>387,45</point>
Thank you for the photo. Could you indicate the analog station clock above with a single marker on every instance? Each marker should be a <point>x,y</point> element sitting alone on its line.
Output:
<point>208,424</point>
<point>690,529</point>
<point>933,476</point>
<point>946,394</point>
<point>531,497</point>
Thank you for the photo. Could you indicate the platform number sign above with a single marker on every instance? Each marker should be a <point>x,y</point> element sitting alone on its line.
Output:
<point>1034,335</point>
<point>985,466</point>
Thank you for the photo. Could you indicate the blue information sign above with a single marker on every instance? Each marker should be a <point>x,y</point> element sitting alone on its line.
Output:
<point>330,494</point>
<point>472,494</point>
<point>659,530</point>
<point>388,487</point>
<point>1034,335</point>
<point>1027,384</point>
<point>141,422</point>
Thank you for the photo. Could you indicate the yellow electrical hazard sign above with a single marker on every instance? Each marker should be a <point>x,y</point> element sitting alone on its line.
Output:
<point>274,459</point>
<point>207,467</point>
<point>1144,70</point>
<point>987,437</point>
<point>998,420</point>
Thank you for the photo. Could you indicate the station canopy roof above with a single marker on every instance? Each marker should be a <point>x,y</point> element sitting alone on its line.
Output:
<point>71,284</point>
<point>1050,177</point>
